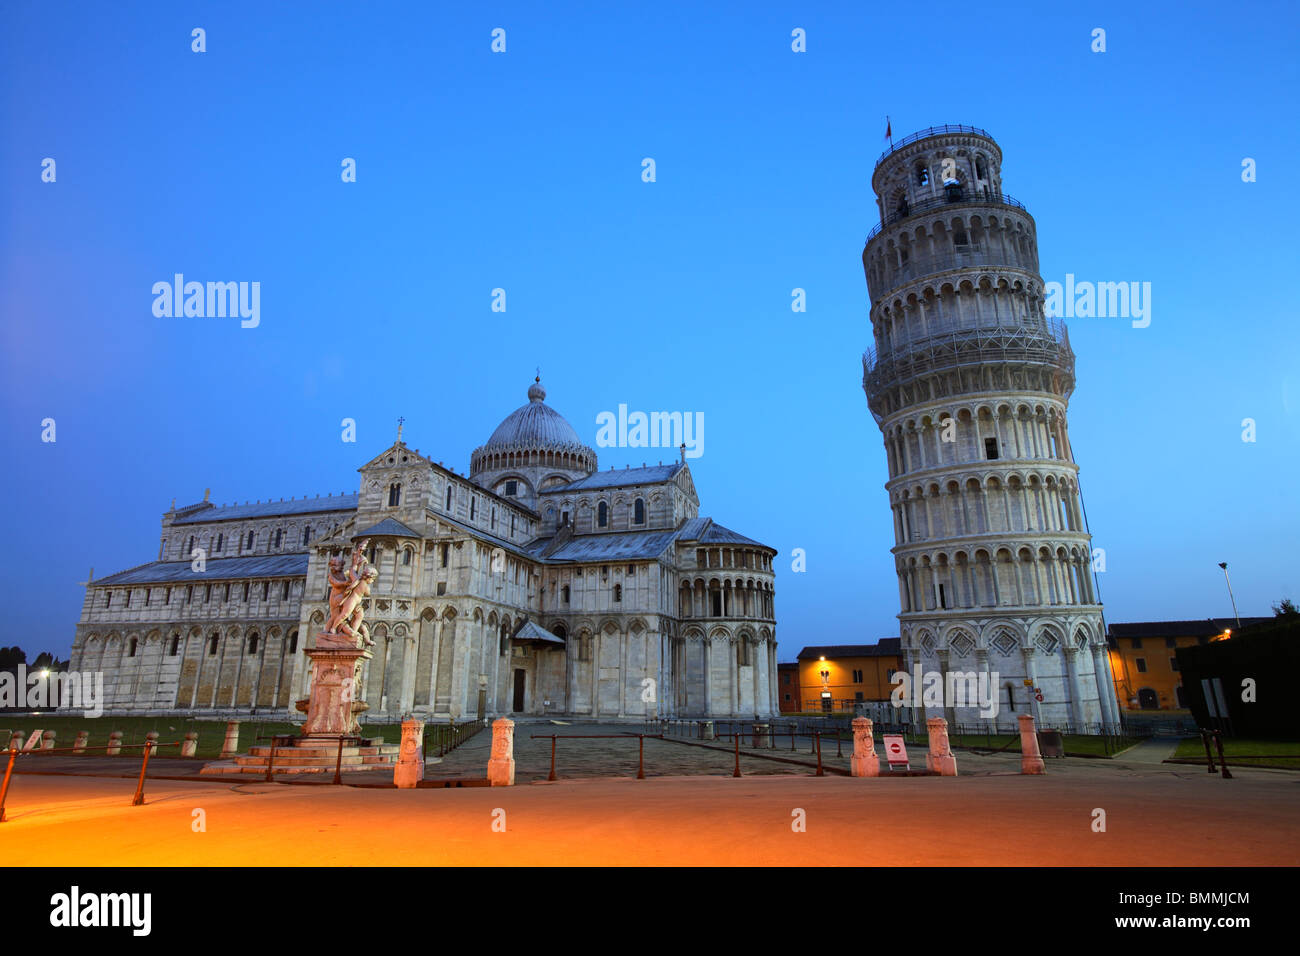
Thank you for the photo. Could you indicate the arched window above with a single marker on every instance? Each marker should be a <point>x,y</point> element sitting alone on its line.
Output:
<point>981,168</point>
<point>293,643</point>
<point>473,507</point>
<point>190,549</point>
<point>374,549</point>
<point>252,536</point>
<point>134,642</point>
<point>494,519</point>
<point>266,590</point>
<point>279,536</point>
<point>246,592</point>
<point>286,590</point>
<point>566,594</point>
<point>306,534</point>
<point>638,512</point>
<point>406,555</point>
<point>252,643</point>
<point>212,646</point>
<point>221,538</point>
<point>175,646</point>
<point>922,175</point>
<point>394,495</point>
<point>602,514</point>
<point>448,508</point>
<point>618,592</point>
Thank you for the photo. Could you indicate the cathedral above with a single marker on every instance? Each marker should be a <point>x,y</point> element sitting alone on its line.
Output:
<point>537,585</point>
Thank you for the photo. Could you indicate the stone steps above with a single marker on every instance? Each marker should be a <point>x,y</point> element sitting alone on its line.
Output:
<point>308,756</point>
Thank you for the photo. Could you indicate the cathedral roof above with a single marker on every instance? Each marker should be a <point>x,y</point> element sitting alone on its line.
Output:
<point>628,546</point>
<point>535,425</point>
<point>271,509</point>
<point>217,569</point>
<point>645,475</point>
<point>530,632</point>
<point>389,527</point>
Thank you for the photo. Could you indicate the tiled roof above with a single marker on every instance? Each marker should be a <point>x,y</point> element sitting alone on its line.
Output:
<point>531,632</point>
<point>389,527</point>
<point>613,478</point>
<point>1205,628</point>
<point>218,569</point>
<point>885,647</point>
<point>717,534</point>
<point>271,509</point>
<point>633,545</point>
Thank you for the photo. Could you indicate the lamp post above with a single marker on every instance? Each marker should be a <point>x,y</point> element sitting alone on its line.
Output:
<point>1224,565</point>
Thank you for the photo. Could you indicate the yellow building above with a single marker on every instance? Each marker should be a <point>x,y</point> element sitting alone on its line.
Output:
<point>1144,663</point>
<point>833,678</point>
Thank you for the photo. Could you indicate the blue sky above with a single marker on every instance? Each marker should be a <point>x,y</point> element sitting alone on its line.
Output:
<point>522,171</point>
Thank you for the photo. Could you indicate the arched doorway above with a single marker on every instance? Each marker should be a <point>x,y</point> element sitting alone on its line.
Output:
<point>1148,699</point>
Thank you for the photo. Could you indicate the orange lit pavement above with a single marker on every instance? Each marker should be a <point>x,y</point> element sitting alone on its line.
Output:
<point>1157,818</point>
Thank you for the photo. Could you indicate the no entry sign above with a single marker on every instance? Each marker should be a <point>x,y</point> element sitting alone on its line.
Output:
<point>895,749</point>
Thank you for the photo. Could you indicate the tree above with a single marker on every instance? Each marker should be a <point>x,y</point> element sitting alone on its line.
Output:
<point>1286,610</point>
<point>11,657</point>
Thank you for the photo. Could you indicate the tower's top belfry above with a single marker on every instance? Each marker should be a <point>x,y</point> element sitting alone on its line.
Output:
<point>923,167</point>
<point>952,270</point>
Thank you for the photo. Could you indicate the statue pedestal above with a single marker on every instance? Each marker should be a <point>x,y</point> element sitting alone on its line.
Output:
<point>332,706</point>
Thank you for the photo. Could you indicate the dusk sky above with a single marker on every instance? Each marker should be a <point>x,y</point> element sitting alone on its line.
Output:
<point>522,171</point>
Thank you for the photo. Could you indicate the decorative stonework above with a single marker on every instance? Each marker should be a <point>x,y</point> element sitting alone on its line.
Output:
<point>969,381</point>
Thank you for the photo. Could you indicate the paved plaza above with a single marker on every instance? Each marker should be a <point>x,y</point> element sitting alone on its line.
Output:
<point>688,811</point>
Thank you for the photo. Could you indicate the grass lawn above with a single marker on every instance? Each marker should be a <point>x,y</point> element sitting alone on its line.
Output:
<point>1276,753</point>
<point>212,733</point>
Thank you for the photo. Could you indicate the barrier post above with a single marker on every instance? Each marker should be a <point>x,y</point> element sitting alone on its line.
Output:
<point>4,787</point>
<point>149,741</point>
<point>1223,761</point>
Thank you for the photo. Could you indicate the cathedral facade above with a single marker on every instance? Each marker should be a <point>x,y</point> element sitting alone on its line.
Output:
<point>537,585</point>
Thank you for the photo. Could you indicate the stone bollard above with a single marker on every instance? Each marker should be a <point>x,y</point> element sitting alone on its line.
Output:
<point>150,738</point>
<point>501,765</point>
<point>1031,760</point>
<point>79,745</point>
<point>409,769</point>
<point>16,740</point>
<point>864,762</point>
<point>190,745</point>
<point>114,743</point>
<point>47,740</point>
<point>706,730</point>
<point>940,759</point>
<point>230,746</point>
<point>762,736</point>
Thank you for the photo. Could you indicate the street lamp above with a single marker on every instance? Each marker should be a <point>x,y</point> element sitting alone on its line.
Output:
<point>1224,565</point>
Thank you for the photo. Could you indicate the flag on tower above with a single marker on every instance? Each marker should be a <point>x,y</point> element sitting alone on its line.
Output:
<point>889,130</point>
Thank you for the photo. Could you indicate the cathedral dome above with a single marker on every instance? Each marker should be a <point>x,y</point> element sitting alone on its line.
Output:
<point>535,425</point>
<point>534,435</point>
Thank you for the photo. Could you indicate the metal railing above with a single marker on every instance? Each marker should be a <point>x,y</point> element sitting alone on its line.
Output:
<point>641,739</point>
<point>137,798</point>
<point>976,258</point>
<point>954,197</point>
<point>444,738</point>
<point>911,138</point>
<point>1048,343</point>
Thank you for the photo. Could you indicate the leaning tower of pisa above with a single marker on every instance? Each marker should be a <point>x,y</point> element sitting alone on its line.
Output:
<point>969,381</point>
